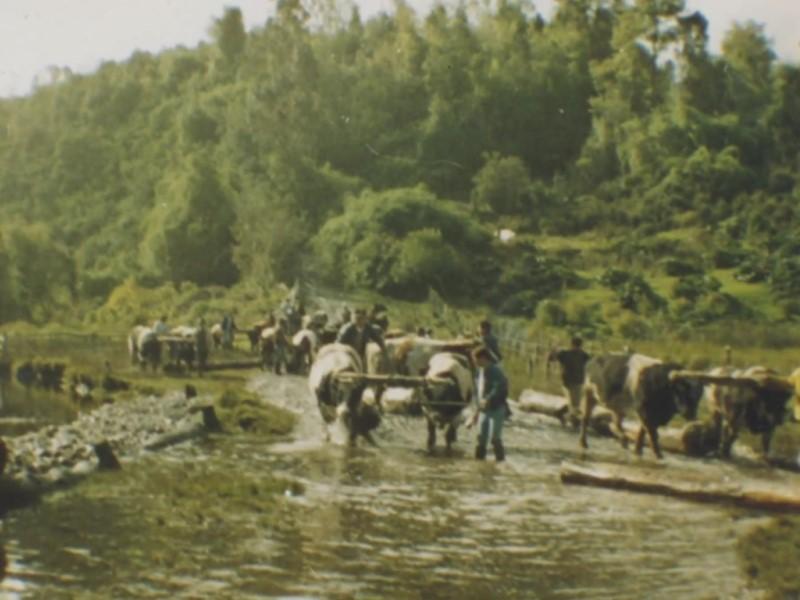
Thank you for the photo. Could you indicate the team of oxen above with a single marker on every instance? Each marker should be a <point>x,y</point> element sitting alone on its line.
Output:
<point>627,384</point>
<point>436,376</point>
<point>438,379</point>
<point>756,399</point>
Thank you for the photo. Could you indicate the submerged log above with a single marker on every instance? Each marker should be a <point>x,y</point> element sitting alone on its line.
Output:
<point>210,424</point>
<point>747,498</point>
<point>695,438</point>
<point>400,401</point>
<point>233,364</point>
<point>558,408</point>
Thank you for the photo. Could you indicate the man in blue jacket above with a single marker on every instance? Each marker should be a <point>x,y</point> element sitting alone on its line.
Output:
<point>492,399</point>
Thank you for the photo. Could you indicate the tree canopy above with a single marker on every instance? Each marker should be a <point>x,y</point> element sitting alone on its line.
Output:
<point>385,153</point>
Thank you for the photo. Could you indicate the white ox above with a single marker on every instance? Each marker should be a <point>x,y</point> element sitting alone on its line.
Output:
<point>443,404</point>
<point>144,347</point>
<point>341,397</point>
<point>304,346</point>
<point>794,378</point>
<point>410,354</point>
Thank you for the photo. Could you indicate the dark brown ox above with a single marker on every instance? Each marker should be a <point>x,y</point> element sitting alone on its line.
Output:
<point>760,408</point>
<point>625,382</point>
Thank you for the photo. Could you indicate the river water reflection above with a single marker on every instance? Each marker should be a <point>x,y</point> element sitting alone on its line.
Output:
<point>391,522</point>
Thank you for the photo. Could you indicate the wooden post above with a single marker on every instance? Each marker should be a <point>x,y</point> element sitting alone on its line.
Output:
<point>210,419</point>
<point>728,360</point>
<point>106,456</point>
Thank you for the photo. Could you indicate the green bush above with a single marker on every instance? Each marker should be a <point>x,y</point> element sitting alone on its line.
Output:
<point>551,313</point>
<point>634,328</point>
<point>693,287</point>
<point>675,267</point>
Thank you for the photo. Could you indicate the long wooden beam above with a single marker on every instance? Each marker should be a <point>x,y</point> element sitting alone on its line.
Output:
<point>774,382</point>
<point>748,498</point>
<point>392,380</point>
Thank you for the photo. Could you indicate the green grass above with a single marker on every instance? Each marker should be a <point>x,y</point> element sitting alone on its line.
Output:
<point>755,295</point>
<point>769,555</point>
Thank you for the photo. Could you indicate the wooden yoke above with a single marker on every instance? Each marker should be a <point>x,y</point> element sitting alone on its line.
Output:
<point>391,380</point>
<point>771,382</point>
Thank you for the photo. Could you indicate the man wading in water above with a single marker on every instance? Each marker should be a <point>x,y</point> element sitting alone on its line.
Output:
<point>492,399</point>
<point>573,363</point>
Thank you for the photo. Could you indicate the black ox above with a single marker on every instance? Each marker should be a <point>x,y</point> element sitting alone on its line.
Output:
<point>625,382</point>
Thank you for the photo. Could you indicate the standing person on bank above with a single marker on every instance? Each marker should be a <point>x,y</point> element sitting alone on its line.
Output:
<point>489,340</point>
<point>573,369</point>
<point>201,346</point>
<point>492,398</point>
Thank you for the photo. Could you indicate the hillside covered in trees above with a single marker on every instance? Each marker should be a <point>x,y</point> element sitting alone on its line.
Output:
<point>648,180</point>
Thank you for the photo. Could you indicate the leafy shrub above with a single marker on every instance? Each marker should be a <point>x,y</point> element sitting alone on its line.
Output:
<point>633,292</point>
<point>695,286</point>
<point>785,277</point>
<point>403,242</point>
<point>550,312</point>
<point>727,257</point>
<point>675,267</point>
<point>752,270</point>
<point>634,328</point>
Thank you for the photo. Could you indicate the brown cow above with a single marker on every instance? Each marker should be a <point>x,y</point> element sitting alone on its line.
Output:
<point>760,408</point>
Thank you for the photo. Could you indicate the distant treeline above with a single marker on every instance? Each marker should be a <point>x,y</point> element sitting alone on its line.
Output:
<point>387,153</point>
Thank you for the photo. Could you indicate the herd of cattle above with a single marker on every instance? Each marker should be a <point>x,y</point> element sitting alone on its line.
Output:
<point>187,346</point>
<point>627,384</point>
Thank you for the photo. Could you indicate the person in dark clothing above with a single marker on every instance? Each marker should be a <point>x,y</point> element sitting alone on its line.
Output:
<point>492,397</point>
<point>489,340</point>
<point>201,346</point>
<point>359,333</point>
<point>573,364</point>
<point>282,343</point>
<point>379,317</point>
<point>228,330</point>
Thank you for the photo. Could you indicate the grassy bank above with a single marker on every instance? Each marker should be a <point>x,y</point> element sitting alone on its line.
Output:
<point>769,555</point>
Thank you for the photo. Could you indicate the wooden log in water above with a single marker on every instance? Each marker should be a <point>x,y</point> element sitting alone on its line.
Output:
<point>558,408</point>
<point>171,439</point>
<point>670,439</point>
<point>742,497</point>
<point>399,401</point>
<point>232,364</point>
<point>544,404</point>
<point>210,424</point>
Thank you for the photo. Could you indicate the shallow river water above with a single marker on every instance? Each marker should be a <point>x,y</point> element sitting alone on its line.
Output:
<point>387,522</point>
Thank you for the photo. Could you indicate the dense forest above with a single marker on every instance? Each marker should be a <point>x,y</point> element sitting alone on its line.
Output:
<point>387,154</point>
